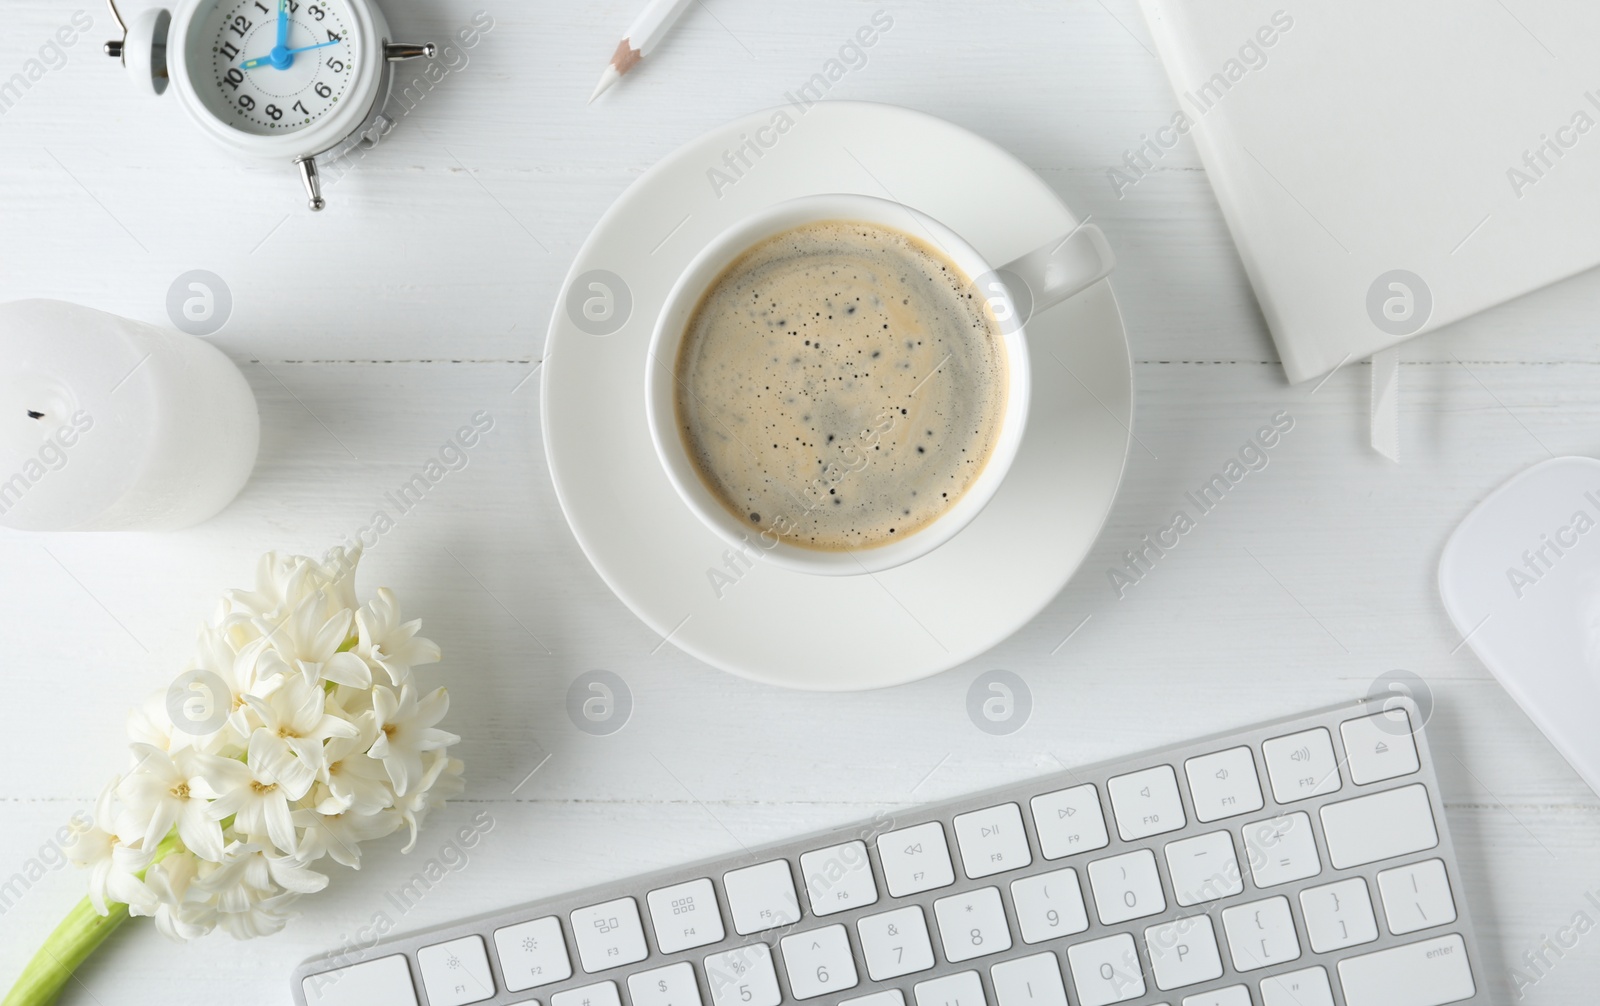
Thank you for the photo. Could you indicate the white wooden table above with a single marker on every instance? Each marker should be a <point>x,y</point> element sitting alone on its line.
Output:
<point>421,297</point>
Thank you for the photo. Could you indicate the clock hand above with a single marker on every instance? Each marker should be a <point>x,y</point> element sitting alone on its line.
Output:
<point>271,60</point>
<point>283,25</point>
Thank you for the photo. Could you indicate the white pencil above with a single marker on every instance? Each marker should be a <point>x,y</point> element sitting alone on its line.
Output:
<point>649,28</point>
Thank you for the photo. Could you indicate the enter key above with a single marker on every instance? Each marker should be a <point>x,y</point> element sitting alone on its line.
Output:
<point>1430,973</point>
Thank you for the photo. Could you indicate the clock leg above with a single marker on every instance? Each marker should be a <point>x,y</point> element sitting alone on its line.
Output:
<point>312,181</point>
<point>394,52</point>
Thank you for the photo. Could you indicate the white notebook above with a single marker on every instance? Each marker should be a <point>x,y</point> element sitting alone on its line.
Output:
<point>1387,168</point>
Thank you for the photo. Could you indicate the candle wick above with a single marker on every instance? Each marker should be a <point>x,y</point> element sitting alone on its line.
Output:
<point>35,415</point>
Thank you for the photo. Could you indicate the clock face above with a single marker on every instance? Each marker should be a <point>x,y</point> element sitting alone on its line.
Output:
<point>276,66</point>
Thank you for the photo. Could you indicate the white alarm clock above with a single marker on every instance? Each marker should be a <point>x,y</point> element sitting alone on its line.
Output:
<point>284,80</point>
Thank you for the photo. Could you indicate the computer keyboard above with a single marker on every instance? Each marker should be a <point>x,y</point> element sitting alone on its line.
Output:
<point>1302,862</point>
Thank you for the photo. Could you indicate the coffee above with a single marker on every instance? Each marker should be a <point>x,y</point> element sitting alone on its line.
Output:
<point>839,386</point>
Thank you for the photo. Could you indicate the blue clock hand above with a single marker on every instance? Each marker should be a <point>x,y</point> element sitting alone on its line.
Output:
<point>272,60</point>
<point>283,25</point>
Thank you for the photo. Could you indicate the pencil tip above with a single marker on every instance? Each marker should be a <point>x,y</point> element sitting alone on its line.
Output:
<point>611,76</point>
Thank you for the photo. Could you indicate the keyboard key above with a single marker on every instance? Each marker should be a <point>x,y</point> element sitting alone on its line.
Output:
<point>1302,765</point>
<point>963,989</point>
<point>1379,747</point>
<point>601,994</point>
<point>1029,981</point>
<point>386,980</point>
<point>673,985</point>
<point>761,897</point>
<point>992,841</point>
<point>1049,905</point>
<point>456,973</point>
<point>1416,897</point>
<point>972,924</point>
<point>742,976</point>
<point>1204,868</point>
<point>1308,987</point>
<point>915,859</point>
<point>1233,995</point>
<point>1261,934</point>
<point>1106,971</point>
<point>1146,803</point>
<point>1126,887</point>
<point>1381,826</point>
<point>685,916</point>
<point>895,943</point>
<point>888,997</point>
<point>1223,784</point>
<point>1069,821</point>
<point>532,954</point>
<point>1338,915</point>
<point>838,878</point>
<point>818,962</point>
<point>1183,952</point>
<point>609,935</point>
<point>1281,849</point>
<point>1431,973</point>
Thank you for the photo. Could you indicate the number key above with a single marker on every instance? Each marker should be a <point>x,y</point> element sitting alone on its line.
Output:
<point>972,924</point>
<point>1049,905</point>
<point>1126,887</point>
<point>818,962</point>
<point>895,943</point>
<point>673,985</point>
<point>743,976</point>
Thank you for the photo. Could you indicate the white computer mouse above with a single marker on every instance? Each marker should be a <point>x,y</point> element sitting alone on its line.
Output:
<point>1521,580</point>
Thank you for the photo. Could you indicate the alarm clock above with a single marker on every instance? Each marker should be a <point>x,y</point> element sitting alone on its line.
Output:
<point>271,80</point>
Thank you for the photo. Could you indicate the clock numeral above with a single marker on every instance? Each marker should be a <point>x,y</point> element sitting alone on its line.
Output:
<point>300,107</point>
<point>247,103</point>
<point>241,25</point>
<point>294,6</point>
<point>263,7</point>
<point>234,78</point>
<point>274,112</point>
<point>336,65</point>
<point>323,90</point>
<point>316,12</point>
<point>229,51</point>
<point>333,37</point>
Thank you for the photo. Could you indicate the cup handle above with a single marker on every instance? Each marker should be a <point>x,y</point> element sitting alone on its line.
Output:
<point>1056,271</point>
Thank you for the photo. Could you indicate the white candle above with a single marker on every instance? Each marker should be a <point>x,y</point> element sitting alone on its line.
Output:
<point>108,424</point>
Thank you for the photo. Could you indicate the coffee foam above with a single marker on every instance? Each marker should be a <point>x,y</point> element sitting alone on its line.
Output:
<point>840,386</point>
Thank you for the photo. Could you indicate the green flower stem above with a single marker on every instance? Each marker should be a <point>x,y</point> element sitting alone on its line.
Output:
<point>78,936</point>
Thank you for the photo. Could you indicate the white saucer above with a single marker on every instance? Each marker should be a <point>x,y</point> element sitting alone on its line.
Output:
<point>793,629</point>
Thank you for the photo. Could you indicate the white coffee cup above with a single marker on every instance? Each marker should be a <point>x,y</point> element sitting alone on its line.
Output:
<point>1036,281</point>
